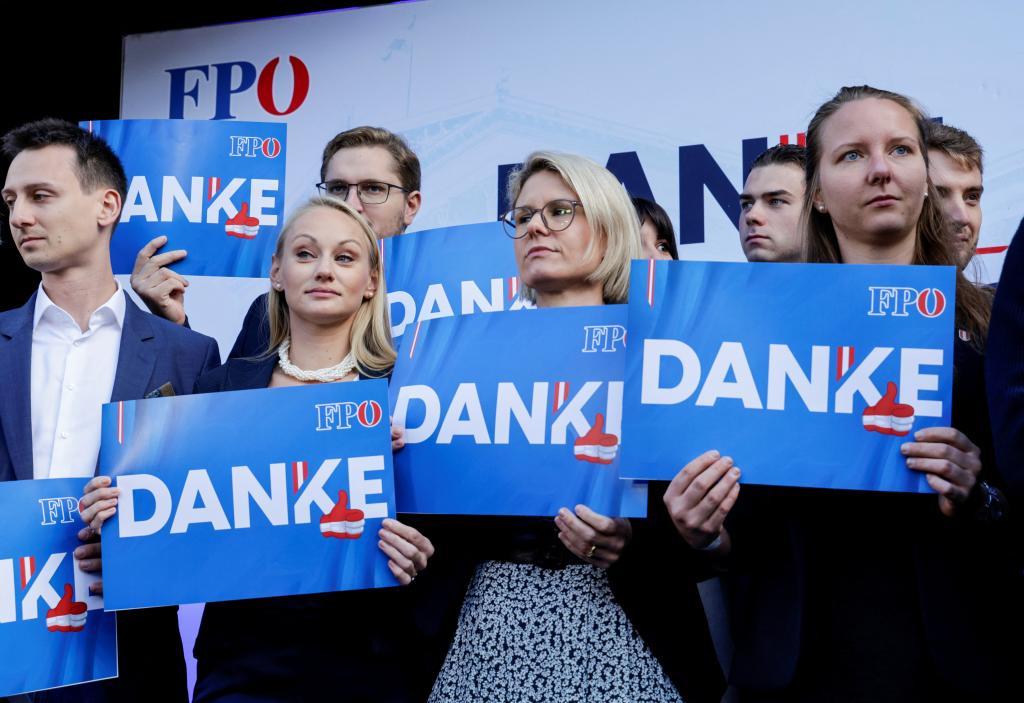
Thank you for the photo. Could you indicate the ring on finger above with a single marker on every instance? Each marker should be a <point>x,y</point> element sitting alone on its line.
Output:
<point>590,552</point>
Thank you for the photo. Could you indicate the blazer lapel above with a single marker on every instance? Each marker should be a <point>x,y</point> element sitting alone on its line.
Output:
<point>137,357</point>
<point>16,380</point>
<point>244,374</point>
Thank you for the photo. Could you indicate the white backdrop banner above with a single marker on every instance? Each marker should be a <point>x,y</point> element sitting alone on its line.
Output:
<point>676,97</point>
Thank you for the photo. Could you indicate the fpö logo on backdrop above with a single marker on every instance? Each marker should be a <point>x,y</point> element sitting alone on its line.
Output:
<point>216,85</point>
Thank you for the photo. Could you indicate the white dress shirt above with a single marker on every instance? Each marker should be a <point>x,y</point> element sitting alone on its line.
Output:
<point>72,376</point>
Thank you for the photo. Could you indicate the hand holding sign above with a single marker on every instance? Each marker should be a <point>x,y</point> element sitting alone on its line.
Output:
<point>407,550</point>
<point>700,497</point>
<point>594,538</point>
<point>950,461</point>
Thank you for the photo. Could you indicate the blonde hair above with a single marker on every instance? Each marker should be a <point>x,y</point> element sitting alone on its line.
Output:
<point>609,211</point>
<point>370,339</point>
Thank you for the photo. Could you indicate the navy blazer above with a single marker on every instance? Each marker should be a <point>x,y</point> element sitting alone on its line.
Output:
<point>254,336</point>
<point>1004,368</point>
<point>153,351</point>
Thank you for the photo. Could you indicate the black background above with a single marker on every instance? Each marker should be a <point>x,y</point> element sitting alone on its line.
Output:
<point>67,63</point>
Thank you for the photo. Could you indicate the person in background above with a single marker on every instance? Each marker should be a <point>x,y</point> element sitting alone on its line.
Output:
<point>657,236</point>
<point>770,205</point>
<point>955,169</point>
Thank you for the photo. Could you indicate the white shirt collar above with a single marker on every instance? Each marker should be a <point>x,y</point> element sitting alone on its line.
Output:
<point>112,309</point>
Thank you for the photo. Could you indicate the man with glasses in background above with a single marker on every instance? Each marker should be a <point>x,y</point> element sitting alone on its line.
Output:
<point>370,168</point>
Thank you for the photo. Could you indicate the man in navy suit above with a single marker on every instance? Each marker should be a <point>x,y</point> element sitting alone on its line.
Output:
<point>80,342</point>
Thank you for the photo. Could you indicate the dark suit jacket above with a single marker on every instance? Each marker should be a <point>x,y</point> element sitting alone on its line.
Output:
<point>1004,369</point>
<point>956,571</point>
<point>382,644</point>
<point>254,336</point>
<point>153,352</point>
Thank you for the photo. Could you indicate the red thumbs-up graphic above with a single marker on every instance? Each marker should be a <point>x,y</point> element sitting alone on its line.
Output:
<point>597,446</point>
<point>242,225</point>
<point>342,522</point>
<point>887,416</point>
<point>68,615</point>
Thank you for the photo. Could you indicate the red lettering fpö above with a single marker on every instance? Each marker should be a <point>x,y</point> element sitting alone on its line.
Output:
<point>300,86</point>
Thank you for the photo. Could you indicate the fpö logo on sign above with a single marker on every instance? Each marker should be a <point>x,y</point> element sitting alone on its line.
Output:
<point>251,147</point>
<point>900,301</point>
<point>220,83</point>
<point>339,416</point>
<point>67,605</point>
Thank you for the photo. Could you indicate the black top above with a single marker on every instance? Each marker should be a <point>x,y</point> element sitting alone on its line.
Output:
<point>847,595</point>
<point>384,644</point>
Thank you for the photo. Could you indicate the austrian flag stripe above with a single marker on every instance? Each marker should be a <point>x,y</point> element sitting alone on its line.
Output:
<point>561,395</point>
<point>300,470</point>
<point>844,361</point>
<point>650,283</point>
<point>513,287</point>
<point>28,568</point>
<point>415,336</point>
<point>213,187</point>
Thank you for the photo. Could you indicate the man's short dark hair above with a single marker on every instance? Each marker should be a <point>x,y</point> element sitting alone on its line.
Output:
<point>955,143</point>
<point>781,155</point>
<point>406,162</point>
<point>96,163</point>
<point>650,211</point>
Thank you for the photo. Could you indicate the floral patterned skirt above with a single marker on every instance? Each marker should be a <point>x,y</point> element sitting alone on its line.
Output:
<point>527,633</point>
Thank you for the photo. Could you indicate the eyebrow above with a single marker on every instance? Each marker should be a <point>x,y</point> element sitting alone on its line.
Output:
<point>767,194</point>
<point>860,145</point>
<point>314,240</point>
<point>31,186</point>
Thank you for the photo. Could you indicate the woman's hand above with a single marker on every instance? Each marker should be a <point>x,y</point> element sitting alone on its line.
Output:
<point>594,538</point>
<point>397,436</point>
<point>99,503</point>
<point>700,497</point>
<point>951,464</point>
<point>407,550</point>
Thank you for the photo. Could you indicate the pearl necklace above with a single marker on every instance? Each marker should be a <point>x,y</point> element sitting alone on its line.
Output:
<point>331,373</point>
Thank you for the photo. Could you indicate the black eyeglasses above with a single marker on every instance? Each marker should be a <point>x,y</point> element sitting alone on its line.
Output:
<point>369,192</point>
<point>556,216</point>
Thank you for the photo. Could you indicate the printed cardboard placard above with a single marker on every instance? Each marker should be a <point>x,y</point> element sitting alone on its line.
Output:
<point>449,271</point>
<point>806,374</point>
<point>53,632</point>
<point>247,494</point>
<point>514,414</point>
<point>215,188</point>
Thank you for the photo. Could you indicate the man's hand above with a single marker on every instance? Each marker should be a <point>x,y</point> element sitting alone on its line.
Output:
<point>950,461</point>
<point>161,289</point>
